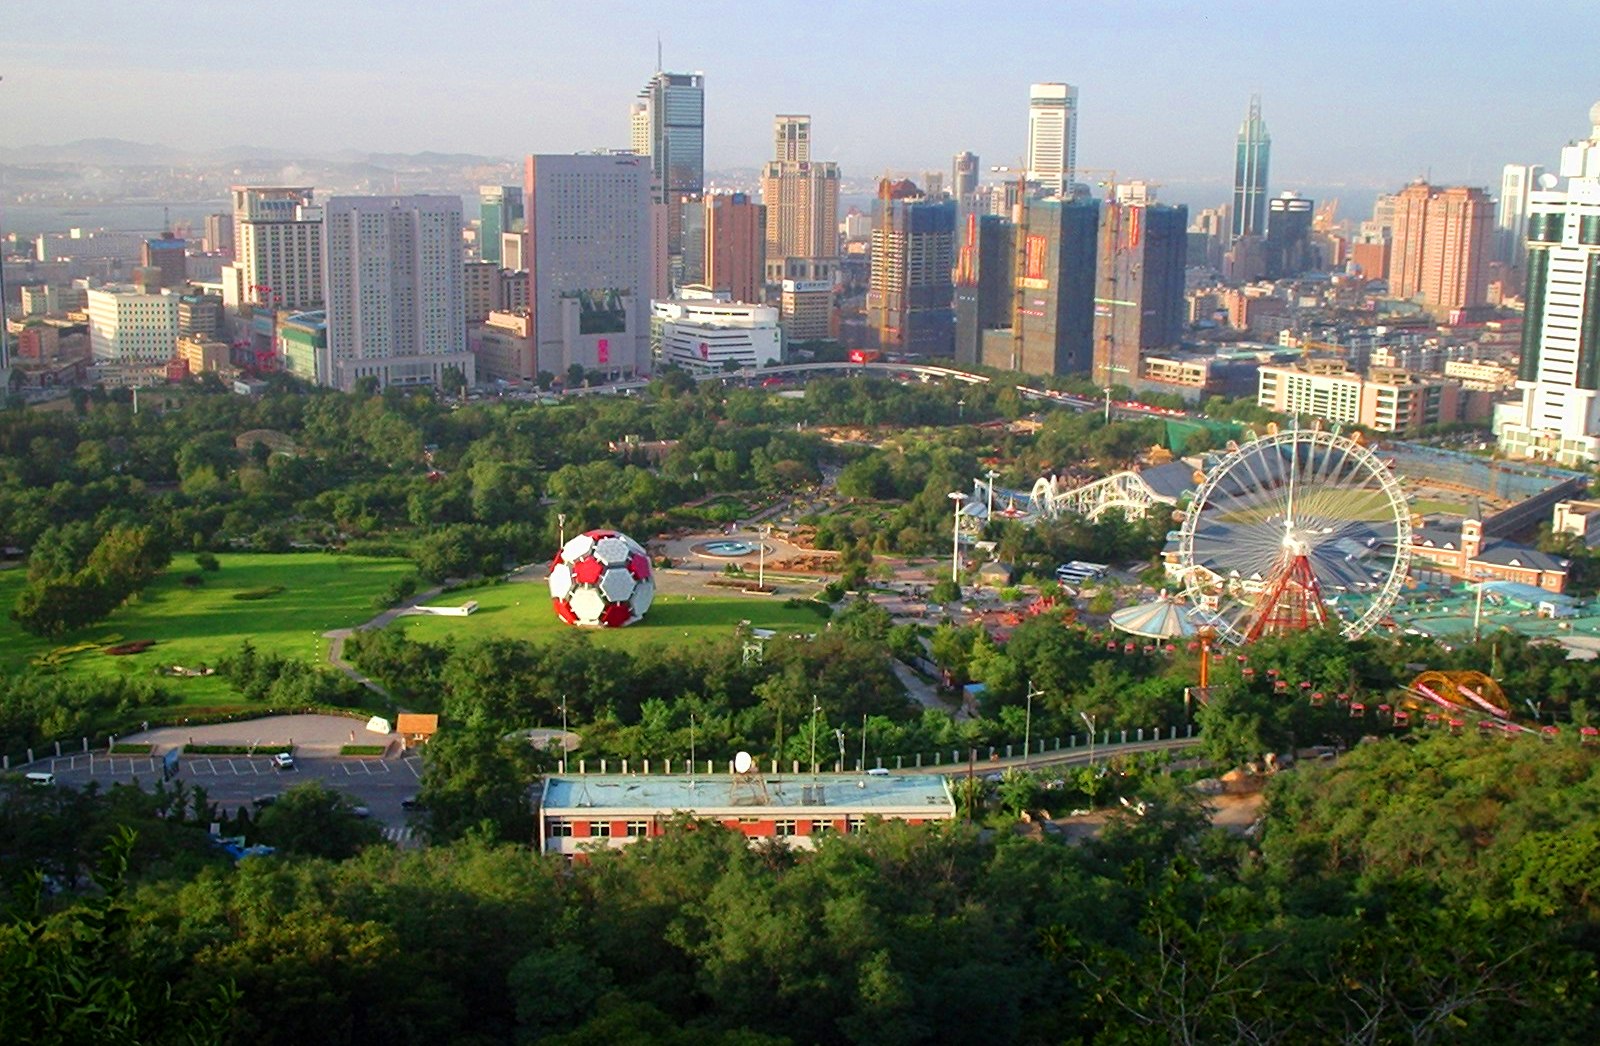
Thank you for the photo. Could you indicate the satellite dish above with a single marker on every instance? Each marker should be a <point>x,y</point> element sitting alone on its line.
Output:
<point>742,763</point>
<point>1548,181</point>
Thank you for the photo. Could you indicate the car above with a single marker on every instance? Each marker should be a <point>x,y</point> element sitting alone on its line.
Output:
<point>283,761</point>
<point>878,771</point>
<point>41,778</point>
<point>411,802</point>
<point>263,801</point>
<point>361,812</point>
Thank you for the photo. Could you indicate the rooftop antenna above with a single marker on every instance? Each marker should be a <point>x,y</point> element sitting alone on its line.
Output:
<point>658,50</point>
<point>748,787</point>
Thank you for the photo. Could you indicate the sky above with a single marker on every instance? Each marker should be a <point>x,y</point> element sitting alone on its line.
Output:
<point>1362,94</point>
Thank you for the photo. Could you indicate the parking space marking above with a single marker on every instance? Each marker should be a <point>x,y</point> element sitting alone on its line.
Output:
<point>415,766</point>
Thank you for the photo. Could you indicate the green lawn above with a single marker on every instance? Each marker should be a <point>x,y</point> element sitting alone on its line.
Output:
<point>321,591</point>
<point>521,610</point>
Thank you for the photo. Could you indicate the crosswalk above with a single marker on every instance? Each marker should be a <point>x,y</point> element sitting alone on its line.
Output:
<point>403,837</point>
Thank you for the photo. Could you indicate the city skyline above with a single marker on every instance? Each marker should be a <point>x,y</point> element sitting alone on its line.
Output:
<point>1160,88</point>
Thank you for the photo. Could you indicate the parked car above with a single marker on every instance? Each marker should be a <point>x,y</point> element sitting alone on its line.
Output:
<point>283,761</point>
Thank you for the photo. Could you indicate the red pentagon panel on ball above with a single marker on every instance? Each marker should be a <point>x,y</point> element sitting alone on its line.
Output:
<point>587,570</point>
<point>616,615</point>
<point>639,567</point>
<point>564,612</point>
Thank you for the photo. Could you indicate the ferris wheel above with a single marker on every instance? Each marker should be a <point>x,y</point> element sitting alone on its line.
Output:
<point>1293,530</point>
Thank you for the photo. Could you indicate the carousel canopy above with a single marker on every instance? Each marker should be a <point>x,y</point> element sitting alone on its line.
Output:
<point>1162,619</point>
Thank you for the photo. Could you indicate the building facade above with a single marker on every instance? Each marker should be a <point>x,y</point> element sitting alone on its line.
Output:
<point>910,295</point>
<point>303,346</point>
<point>589,262</point>
<point>985,273</point>
<point>704,333</point>
<point>805,310</point>
<point>1289,251</point>
<point>734,245</point>
<point>127,325</point>
<point>395,308</point>
<point>1517,180</point>
<point>1139,289</point>
<point>1252,155</point>
<point>1053,325</point>
<point>1384,400</point>
<point>277,235</point>
<point>668,124</point>
<point>964,178</point>
<point>499,212</point>
<point>1052,135</point>
<point>1558,418</point>
<point>504,348</point>
<point>1441,244</point>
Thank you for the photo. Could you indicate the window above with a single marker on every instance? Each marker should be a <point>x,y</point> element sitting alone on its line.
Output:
<point>600,829</point>
<point>821,827</point>
<point>561,829</point>
<point>855,824</point>
<point>638,828</point>
<point>785,827</point>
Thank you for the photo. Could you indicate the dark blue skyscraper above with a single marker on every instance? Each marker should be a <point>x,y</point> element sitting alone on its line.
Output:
<point>1250,174</point>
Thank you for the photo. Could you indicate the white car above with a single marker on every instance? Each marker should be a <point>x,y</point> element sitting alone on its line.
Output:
<point>283,761</point>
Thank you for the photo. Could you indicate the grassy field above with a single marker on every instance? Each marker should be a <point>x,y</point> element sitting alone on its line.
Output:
<point>521,610</point>
<point>321,591</point>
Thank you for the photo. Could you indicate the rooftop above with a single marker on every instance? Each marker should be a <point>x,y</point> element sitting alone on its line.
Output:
<point>860,793</point>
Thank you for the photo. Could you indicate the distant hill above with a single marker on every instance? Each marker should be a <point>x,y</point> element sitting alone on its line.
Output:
<point>103,151</point>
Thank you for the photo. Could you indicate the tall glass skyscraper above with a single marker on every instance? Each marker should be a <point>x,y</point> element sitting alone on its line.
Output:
<point>499,209</point>
<point>670,128</point>
<point>1250,174</point>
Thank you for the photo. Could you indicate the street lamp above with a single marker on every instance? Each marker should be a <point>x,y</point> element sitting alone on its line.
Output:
<point>561,521</point>
<point>1088,717</point>
<point>955,537</point>
<point>816,707</point>
<point>761,569</point>
<point>1027,722</point>
<point>989,517</point>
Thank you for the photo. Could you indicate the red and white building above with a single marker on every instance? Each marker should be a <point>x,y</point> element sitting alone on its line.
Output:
<point>584,812</point>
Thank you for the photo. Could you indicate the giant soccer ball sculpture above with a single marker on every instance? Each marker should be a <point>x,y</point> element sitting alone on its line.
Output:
<point>601,579</point>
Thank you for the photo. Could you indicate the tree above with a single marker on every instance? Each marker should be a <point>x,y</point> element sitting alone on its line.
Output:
<point>316,821</point>
<point>474,778</point>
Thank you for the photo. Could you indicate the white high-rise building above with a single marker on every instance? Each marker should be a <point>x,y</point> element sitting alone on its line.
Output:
<point>1052,135</point>
<point>127,325</point>
<point>791,138</point>
<point>1559,375</point>
<point>590,262</point>
<point>1511,214</point>
<point>395,303</point>
<point>277,237</point>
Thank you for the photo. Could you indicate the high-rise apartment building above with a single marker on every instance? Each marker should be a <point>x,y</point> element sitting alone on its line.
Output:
<point>1252,155</point>
<point>589,262</point>
<point>394,290</point>
<point>1139,291</point>
<point>277,236</point>
<point>1511,211</point>
<point>791,138</point>
<point>1559,377</point>
<point>985,273</point>
<point>668,124</point>
<point>734,245</point>
<point>1440,249</point>
<point>499,211</point>
<point>964,177</point>
<point>1289,218</point>
<point>1052,135</point>
<point>909,294</point>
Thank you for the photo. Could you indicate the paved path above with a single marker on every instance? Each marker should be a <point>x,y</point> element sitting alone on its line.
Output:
<point>323,734</point>
<point>922,691</point>
<point>337,637</point>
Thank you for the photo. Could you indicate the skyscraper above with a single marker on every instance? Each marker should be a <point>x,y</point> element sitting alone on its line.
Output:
<point>909,292</point>
<point>791,137</point>
<point>1440,249</point>
<point>1511,211</point>
<point>499,211</point>
<point>1139,292</point>
<point>395,303</point>
<point>277,237</point>
<point>1251,157</point>
<point>1053,330</point>
<point>964,177</point>
<point>589,262</point>
<point>1289,219</point>
<point>668,124</point>
<point>735,242</point>
<point>802,202</point>
<point>1559,377</point>
<point>984,295</point>
<point>1052,135</point>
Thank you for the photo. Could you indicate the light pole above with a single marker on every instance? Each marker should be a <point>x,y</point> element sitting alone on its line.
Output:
<point>1027,722</point>
<point>989,517</point>
<point>561,522</point>
<point>1088,717</point>
<point>761,568</point>
<point>815,708</point>
<point>955,538</point>
<point>961,408</point>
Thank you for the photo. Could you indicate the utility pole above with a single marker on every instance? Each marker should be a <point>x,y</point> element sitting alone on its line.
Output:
<point>1089,718</point>
<point>989,517</point>
<point>955,538</point>
<point>1027,722</point>
<point>761,570</point>
<point>815,708</point>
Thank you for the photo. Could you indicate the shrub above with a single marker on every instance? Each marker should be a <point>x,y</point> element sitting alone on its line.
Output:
<point>206,561</point>
<point>192,581</point>
<point>259,593</point>
<point>363,749</point>
<point>137,646</point>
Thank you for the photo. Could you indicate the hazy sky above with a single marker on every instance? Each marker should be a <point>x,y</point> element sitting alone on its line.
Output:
<point>1366,94</point>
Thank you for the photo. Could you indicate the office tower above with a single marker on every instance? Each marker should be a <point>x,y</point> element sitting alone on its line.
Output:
<point>1052,135</point>
<point>219,234</point>
<point>791,138</point>
<point>199,315</point>
<point>964,177</point>
<point>589,262</point>
<point>1138,302</point>
<point>1559,376</point>
<point>910,295</point>
<point>1250,162</point>
<point>127,325</point>
<point>1289,235</point>
<point>499,211</point>
<point>933,184</point>
<point>1053,329</point>
<point>168,255</point>
<point>668,125</point>
<point>394,290</point>
<point>1440,249</point>
<point>984,295</point>
<point>1511,211</point>
<point>734,245</point>
<point>692,267</point>
<point>277,237</point>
